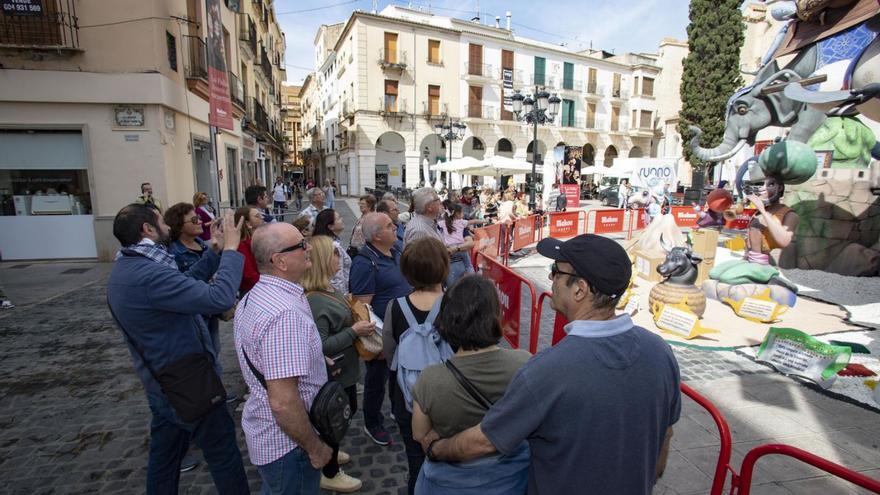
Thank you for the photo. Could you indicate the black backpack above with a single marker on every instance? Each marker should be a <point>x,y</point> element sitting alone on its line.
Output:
<point>561,202</point>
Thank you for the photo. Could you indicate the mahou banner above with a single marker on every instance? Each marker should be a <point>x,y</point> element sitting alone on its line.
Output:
<point>608,221</point>
<point>572,196</point>
<point>524,232</point>
<point>509,294</point>
<point>685,216</point>
<point>220,114</point>
<point>487,240</point>
<point>564,225</point>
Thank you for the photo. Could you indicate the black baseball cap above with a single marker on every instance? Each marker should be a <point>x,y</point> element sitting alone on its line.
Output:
<point>599,260</point>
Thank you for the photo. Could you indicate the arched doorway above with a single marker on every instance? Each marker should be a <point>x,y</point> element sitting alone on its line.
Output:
<point>542,152</point>
<point>390,160</point>
<point>589,155</point>
<point>610,155</point>
<point>433,151</point>
<point>635,152</point>
<point>474,147</point>
<point>504,147</point>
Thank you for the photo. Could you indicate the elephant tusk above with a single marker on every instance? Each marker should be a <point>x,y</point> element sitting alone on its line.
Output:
<point>733,151</point>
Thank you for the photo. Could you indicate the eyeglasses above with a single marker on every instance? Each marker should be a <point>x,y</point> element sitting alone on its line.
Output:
<point>303,244</point>
<point>554,271</point>
<point>195,220</point>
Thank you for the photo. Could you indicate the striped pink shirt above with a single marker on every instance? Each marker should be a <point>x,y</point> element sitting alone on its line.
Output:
<point>274,325</point>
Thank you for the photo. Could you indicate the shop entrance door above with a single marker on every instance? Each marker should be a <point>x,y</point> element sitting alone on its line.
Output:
<point>202,165</point>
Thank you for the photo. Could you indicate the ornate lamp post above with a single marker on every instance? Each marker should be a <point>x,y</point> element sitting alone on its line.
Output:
<point>450,131</point>
<point>540,109</point>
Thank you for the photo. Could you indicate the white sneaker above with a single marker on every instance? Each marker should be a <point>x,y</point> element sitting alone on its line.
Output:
<point>342,483</point>
<point>342,458</point>
<point>6,304</point>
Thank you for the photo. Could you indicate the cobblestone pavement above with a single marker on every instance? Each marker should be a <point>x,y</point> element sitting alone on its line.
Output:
<point>74,419</point>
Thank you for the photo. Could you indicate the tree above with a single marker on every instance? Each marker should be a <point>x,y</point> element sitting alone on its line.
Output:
<point>711,71</point>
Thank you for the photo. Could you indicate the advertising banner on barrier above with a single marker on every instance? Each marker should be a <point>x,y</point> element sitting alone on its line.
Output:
<point>508,286</point>
<point>641,218</point>
<point>741,222</point>
<point>487,240</point>
<point>685,216</point>
<point>572,194</point>
<point>564,225</point>
<point>608,221</point>
<point>524,232</point>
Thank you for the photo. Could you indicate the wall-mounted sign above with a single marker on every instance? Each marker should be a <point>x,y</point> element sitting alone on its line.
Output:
<point>129,116</point>
<point>132,138</point>
<point>22,7</point>
<point>169,120</point>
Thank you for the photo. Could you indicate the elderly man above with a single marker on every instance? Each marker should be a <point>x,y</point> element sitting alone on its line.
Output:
<point>390,208</point>
<point>159,309</point>
<point>316,205</point>
<point>376,280</point>
<point>424,220</point>
<point>604,428</point>
<point>278,345</point>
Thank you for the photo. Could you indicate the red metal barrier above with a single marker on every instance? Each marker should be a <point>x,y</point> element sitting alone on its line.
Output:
<point>722,465</point>
<point>606,221</point>
<point>559,322</point>
<point>565,224</point>
<point>487,240</point>
<point>744,481</point>
<point>508,284</point>
<point>527,231</point>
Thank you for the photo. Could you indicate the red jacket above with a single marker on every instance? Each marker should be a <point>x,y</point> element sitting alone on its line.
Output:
<point>250,275</point>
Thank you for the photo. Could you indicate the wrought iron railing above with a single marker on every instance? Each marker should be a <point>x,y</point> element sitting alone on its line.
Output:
<point>236,90</point>
<point>248,33</point>
<point>39,24</point>
<point>196,64</point>
<point>258,115</point>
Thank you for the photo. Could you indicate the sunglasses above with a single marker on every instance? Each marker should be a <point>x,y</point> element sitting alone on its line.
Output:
<point>554,271</point>
<point>195,220</point>
<point>303,244</point>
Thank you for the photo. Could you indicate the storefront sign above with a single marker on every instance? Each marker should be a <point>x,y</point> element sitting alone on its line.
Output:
<point>524,232</point>
<point>685,216</point>
<point>220,113</point>
<point>607,221</point>
<point>486,240</point>
<point>678,319</point>
<point>22,7</point>
<point>793,352</point>
<point>572,194</point>
<point>508,286</point>
<point>760,308</point>
<point>564,225</point>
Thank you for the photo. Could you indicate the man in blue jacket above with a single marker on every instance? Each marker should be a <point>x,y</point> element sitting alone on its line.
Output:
<point>160,309</point>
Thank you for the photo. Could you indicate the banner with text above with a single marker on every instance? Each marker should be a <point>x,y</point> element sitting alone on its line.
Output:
<point>220,112</point>
<point>655,177</point>
<point>507,84</point>
<point>524,231</point>
<point>572,194</point>
<point>793,352</point>
<point>487,240</point>
<point>509,291</point>
<point>608,221</point>
<point>564,224</point>
<point>685,216</point>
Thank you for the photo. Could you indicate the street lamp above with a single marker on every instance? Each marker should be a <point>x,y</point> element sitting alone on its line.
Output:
<point>541,108</point>
<point>450,131</point>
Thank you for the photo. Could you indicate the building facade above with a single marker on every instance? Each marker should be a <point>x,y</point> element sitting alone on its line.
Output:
<point>85,120</point>
<point>383,80</point>
<point>291,114</point>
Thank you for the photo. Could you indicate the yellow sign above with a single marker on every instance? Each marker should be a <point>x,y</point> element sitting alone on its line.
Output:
<point>760,308</point>
<point>736,244</point>
<point>679,320</point>
<point>628,294</point>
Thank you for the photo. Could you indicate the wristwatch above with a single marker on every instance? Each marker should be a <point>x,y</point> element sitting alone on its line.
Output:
<point>430,452</point>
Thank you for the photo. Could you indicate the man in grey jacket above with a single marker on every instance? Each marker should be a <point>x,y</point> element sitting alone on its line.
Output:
<point>160,310</point>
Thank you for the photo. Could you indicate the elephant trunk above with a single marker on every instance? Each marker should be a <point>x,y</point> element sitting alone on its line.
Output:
<point>729,146</point>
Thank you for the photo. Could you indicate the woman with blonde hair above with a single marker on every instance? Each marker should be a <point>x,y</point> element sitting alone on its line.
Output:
<point>205,213</point>
<point>338,332</point>
<point>253,218</point>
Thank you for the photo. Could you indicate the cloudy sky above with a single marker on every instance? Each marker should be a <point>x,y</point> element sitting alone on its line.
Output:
<point>634,26</point>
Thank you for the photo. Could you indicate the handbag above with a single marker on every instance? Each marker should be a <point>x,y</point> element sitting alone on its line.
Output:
<point>190,383</point>
<point>369,346</point>
<point>330,413</point>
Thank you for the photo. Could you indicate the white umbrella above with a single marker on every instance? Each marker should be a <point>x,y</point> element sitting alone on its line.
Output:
<point>497,166</point>
<point>456,165</point>
<point>593,169</point>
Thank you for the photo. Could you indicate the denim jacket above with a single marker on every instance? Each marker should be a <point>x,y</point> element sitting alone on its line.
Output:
<point>184,257</point>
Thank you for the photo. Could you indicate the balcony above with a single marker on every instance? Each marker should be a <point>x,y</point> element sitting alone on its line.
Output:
<point>44,26</point>
<point>236,94</point>
<point>592,124</point>
<point>347,108</point>
<point>548,82</point>
<point>257,116</point>
<point>393,106</point>
<point>594,91</point>
<point>265,64</point>
<point>247,35</point>
<point>195,66</point>
<point>572,86</point>
<point>475,71</point>
<point>437,113</point>
<point>573,123</point>
<point>619,93</point>
<point>392,59</point>
<point>480,112</point>
<point>641,131</point>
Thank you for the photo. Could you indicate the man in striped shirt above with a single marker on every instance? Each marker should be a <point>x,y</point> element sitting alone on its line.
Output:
<point>424,220</point>
<point>275,328</point>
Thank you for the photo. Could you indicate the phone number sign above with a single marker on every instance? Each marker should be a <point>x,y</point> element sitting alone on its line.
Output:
<point>22,7</point>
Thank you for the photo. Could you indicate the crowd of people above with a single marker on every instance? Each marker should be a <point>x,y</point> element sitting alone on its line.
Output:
<point>592,414</point>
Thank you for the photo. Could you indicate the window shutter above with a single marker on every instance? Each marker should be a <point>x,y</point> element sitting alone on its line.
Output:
<point>647,86</point>
<point>568,76</point>
<point>434,51</point>
<point>540,69</point>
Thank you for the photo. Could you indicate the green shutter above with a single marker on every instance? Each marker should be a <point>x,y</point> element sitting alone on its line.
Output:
<point>540,70</point>
<point>568,76</point>
<point>566,113</point>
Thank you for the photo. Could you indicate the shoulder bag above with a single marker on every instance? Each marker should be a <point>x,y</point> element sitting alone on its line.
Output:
<point>469,387</point>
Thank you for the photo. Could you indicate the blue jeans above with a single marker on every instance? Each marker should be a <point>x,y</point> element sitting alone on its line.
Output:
<point>169,441</point>
<point>459,266</point>
<point>374,393</point>
<point>490,475</point>
<point>292,474</point>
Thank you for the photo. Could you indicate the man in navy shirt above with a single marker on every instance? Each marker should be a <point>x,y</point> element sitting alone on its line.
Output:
<point>390,208</point>
<point>376,280</point>
<point>598,408</point>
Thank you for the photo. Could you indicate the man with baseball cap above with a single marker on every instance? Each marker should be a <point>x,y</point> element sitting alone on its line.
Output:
<point>597,409</point>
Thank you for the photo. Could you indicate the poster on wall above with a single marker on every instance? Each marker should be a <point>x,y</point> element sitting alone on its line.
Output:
<point>571,168</point>
<point>507,78</point>
<point>220,113</point>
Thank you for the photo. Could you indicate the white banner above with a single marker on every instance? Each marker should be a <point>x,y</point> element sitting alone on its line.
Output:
<point>507,77</point>
<point>654,177</point>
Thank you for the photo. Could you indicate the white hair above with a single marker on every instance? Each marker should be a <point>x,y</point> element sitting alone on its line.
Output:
<point>312,192</point>
<point>371,226</point>
<point>422,197</point>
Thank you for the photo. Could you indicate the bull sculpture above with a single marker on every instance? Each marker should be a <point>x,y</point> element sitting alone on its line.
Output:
<point>679,271</point>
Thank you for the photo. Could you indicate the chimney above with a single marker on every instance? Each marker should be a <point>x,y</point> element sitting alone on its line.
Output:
<point>497,22</point>
<point>508,20</point>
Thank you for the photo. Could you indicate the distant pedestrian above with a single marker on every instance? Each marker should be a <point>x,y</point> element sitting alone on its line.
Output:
<point>276,337</point>
<point>205,213</point>
<point>279,197</point>
<point>330,193</point>
<point>316,204</point>
<point>256,197</point>
<point>159,309</point>
<point>147,198</point>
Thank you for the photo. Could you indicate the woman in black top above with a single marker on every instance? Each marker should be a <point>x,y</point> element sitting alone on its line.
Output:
<point>425,264</point>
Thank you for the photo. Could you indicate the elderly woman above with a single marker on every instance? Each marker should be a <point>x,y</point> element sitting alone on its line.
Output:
<point>425,265</point>
<point>469,320</point>
<point>252,219</point>
<point>338,332</point>
<point>205,213</point>
<point>316,204</point>
<point>330,224</point>
<point>367,204</point>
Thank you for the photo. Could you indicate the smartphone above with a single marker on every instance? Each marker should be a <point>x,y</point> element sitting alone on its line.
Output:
<point>336,359</point>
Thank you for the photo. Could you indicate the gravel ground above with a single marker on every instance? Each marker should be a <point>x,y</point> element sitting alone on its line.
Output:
<point>838,289</point>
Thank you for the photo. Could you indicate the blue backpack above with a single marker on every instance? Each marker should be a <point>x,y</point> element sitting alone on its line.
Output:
<point>420,346</point>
